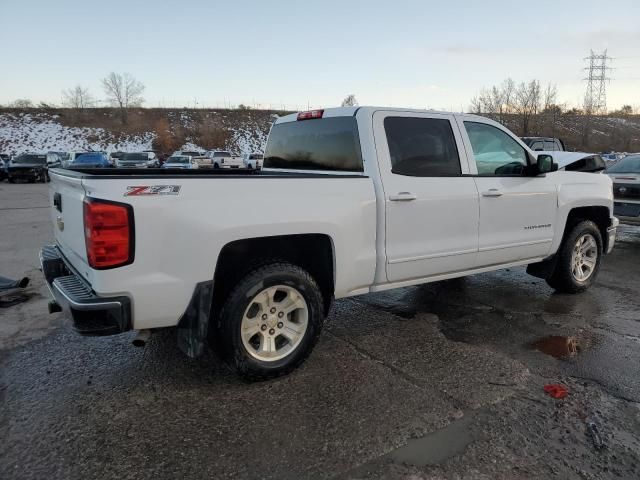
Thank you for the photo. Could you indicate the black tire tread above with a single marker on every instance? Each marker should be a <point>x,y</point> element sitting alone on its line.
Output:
<point>562,279</point>
<point>237,361</point>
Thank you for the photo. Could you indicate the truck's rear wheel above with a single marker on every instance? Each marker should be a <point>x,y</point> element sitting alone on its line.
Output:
<point>271,321</point>
<point>578,259</point>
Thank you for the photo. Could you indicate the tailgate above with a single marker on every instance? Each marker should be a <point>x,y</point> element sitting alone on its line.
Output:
<point>66,196</point>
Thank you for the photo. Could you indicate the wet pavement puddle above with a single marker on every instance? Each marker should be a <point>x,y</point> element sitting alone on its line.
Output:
<point>434,448</point>
<point>557,346</point>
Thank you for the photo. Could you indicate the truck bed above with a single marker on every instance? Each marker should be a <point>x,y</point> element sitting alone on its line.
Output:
<point>123,173</point>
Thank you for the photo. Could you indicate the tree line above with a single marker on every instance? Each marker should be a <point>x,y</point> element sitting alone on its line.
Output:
<point>527,100</point>
<point>121,90</point>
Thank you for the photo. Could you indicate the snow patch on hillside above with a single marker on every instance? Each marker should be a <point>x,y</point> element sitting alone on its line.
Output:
<point>42,133</point>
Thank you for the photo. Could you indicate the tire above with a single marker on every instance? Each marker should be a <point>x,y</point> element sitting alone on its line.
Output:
<point>280,342</point>
<point>567,273</point>
<point>215,165</point>
<point>11,180</point>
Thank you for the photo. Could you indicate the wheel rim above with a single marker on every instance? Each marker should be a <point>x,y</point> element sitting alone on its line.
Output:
<point>274,323</point>
<point>584,257</point>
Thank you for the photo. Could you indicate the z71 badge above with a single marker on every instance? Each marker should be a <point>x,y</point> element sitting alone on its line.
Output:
<point>146,190</point>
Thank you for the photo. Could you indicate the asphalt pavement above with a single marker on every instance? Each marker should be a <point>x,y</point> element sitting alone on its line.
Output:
<point>438,381</point>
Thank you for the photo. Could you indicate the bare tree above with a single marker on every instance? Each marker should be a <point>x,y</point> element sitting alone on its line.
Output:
<point>550,95</point>
<point>123,91</point>
<point>350,101</point>
<point>527,100</point>
<point>22,103</point>
<point>78,98</point>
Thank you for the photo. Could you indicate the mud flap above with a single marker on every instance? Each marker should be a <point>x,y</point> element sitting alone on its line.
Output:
<point>543,269</point>
<point>194,324</point>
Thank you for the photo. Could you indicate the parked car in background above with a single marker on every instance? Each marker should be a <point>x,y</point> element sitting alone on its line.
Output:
<point>3,168</point>
<point>180,161</point>
<point>70,157</point>
<point>138,160</point>
<point>189,153</point>
<point>626,189</point>
<point>91,160</point>
<point>32,167</point>
<point>115,156</point>
<point>224,159</point>
<point>544,144</point>
<point>252,160</point>
<point>578,161</point>
<point>361,200</point>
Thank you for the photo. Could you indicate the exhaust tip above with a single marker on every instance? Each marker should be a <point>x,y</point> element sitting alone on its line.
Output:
<point>141,338</point>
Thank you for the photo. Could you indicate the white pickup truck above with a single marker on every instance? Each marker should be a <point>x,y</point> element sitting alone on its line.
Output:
<point>350,201</point>
<point>224,159</point>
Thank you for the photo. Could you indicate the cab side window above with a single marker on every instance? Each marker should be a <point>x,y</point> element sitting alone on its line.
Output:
<point>422,147</point>
<point>495,152</point>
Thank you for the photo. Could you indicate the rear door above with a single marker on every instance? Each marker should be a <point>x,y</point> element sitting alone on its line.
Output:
<point>517,211</point>
<point>431,207</point>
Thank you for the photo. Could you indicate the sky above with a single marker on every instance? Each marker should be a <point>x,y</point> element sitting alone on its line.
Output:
<point>293,54</point>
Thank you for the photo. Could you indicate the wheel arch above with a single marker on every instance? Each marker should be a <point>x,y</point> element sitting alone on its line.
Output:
<point>315,252</point>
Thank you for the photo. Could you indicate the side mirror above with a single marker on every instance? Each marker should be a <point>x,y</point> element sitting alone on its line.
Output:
<point>545,164</point>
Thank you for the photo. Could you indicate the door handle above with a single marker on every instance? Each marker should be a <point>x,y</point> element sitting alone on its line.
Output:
<point>492,192</point>
<point>402,197</point>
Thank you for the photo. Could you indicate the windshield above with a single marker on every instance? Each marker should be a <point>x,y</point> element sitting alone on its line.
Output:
<point>90,158</point>
<point>325,144</point>
<point>138,157</point>
<point>630,164</point>
<point>178,160</point>
<point>39,159</point>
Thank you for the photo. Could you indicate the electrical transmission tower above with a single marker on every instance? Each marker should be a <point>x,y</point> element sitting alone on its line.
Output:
<point>595,99</point>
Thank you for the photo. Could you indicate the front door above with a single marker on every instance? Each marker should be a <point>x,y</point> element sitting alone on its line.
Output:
<point>517,211</point>
<point>431,207</point>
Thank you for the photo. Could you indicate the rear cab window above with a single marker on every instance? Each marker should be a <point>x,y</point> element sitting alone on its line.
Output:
<point>422,147</point>
<point>325,144</point>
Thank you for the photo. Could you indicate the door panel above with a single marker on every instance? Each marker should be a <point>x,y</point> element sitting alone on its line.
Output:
<point>517,211</point>
<point>431,222</point>
<point>517,218</point>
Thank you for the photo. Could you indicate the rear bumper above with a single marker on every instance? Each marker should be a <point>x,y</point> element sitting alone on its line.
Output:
<point>92,315</point>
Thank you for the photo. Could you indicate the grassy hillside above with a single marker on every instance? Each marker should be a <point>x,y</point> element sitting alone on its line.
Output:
<point>242,131</point>
<point>162,129</point>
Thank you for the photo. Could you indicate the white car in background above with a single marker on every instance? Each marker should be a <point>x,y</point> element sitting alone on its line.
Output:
<point>180,161</point>
<point>252,160</point>
<point>577,161</point>
<point>224,159</point>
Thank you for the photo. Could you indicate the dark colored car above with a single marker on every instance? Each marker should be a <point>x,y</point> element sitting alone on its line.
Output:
<point>32,167</point>
<point>91,160</point>
<point>138,160</point>
<point>544,144</point>
<point>3,169</point>
<point>626,189</point>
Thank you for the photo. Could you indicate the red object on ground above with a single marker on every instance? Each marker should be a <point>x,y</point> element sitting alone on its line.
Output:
<point>555,390</point>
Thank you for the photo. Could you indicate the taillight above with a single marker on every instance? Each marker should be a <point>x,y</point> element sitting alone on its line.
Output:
<point>108,233</point>
<point>310,114</point>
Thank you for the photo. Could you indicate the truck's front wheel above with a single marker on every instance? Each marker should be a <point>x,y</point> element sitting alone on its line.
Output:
<point>271,321</point>
<point>578,259</point>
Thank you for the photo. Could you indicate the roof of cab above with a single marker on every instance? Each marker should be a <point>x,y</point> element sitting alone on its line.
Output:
<point>351,111</point>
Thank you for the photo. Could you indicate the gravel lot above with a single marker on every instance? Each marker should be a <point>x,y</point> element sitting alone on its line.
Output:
<point>430,382</point>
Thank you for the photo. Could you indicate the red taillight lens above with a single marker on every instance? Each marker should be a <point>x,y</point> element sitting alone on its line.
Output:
<point>310,114</point>
<point>108,233</point>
